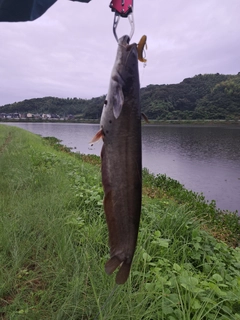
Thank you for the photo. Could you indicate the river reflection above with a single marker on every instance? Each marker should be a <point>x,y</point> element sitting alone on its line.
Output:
<point>204,159</point>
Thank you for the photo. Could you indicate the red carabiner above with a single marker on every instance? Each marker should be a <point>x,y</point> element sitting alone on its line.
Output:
<point>122,7</point>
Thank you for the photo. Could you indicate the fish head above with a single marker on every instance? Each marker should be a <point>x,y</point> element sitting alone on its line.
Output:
<point>124,40</point>
<point>123,82</point>
<point>124,75</point>
<point>127,57</point>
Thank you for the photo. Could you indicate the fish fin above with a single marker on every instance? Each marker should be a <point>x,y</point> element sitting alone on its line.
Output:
<point>145,118</point>
<point>123,273</point>
<point>140,48</point>
<point>97,136</point>
<point>118,102</point>
<point>112,264</point>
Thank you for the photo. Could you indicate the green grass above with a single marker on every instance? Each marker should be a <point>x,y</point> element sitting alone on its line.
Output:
<point>54,243</point>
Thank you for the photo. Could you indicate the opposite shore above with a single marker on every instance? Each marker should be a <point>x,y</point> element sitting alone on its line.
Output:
<point>218,122</point>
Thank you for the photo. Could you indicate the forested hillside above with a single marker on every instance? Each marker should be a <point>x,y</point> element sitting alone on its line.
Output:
<point>208,96</point>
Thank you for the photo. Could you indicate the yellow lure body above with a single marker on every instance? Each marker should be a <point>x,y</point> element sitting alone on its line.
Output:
<point>140,48</point>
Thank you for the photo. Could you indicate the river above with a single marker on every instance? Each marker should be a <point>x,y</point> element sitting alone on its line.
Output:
<point>203,158</point>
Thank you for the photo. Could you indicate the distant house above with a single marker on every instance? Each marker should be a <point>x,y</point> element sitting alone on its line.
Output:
<point>46,116</point>
<point>15,115</point>
<point>29,115</point>
<point>22,115</point>
<point>37,116</point>
<point>3,115</point>
<point>55,117</point>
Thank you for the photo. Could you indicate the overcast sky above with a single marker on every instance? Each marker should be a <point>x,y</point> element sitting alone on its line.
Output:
<point>70,50</point>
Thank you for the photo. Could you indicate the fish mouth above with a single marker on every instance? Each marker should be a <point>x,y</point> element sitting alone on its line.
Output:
<point>128,48</point>
<point>124,41</point>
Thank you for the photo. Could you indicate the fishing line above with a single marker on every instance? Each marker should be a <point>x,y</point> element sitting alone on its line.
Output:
<point>142,73</point>
<point>107,301</point>
<point>144,65</point>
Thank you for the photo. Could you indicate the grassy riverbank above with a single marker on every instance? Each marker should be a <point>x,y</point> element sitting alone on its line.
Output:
<point>53,243</point>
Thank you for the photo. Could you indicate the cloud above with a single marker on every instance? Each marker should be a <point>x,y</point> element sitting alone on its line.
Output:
<point>70,50</point>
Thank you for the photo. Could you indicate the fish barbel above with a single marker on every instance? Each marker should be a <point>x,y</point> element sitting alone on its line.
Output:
<point>121,159</point>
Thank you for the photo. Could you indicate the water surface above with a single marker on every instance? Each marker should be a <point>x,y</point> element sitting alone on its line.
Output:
<point>204,159</point>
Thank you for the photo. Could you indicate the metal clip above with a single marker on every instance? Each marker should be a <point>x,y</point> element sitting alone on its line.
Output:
<point>116,21</point>
<point>122,8</point>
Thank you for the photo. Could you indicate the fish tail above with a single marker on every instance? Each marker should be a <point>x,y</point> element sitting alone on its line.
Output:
<point>123,273</point>
<point>112,264</point>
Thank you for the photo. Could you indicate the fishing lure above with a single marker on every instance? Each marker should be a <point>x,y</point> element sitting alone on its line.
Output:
<point>140,48</point>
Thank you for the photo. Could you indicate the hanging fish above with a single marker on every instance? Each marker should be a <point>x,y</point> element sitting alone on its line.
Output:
<point>121,157</point>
